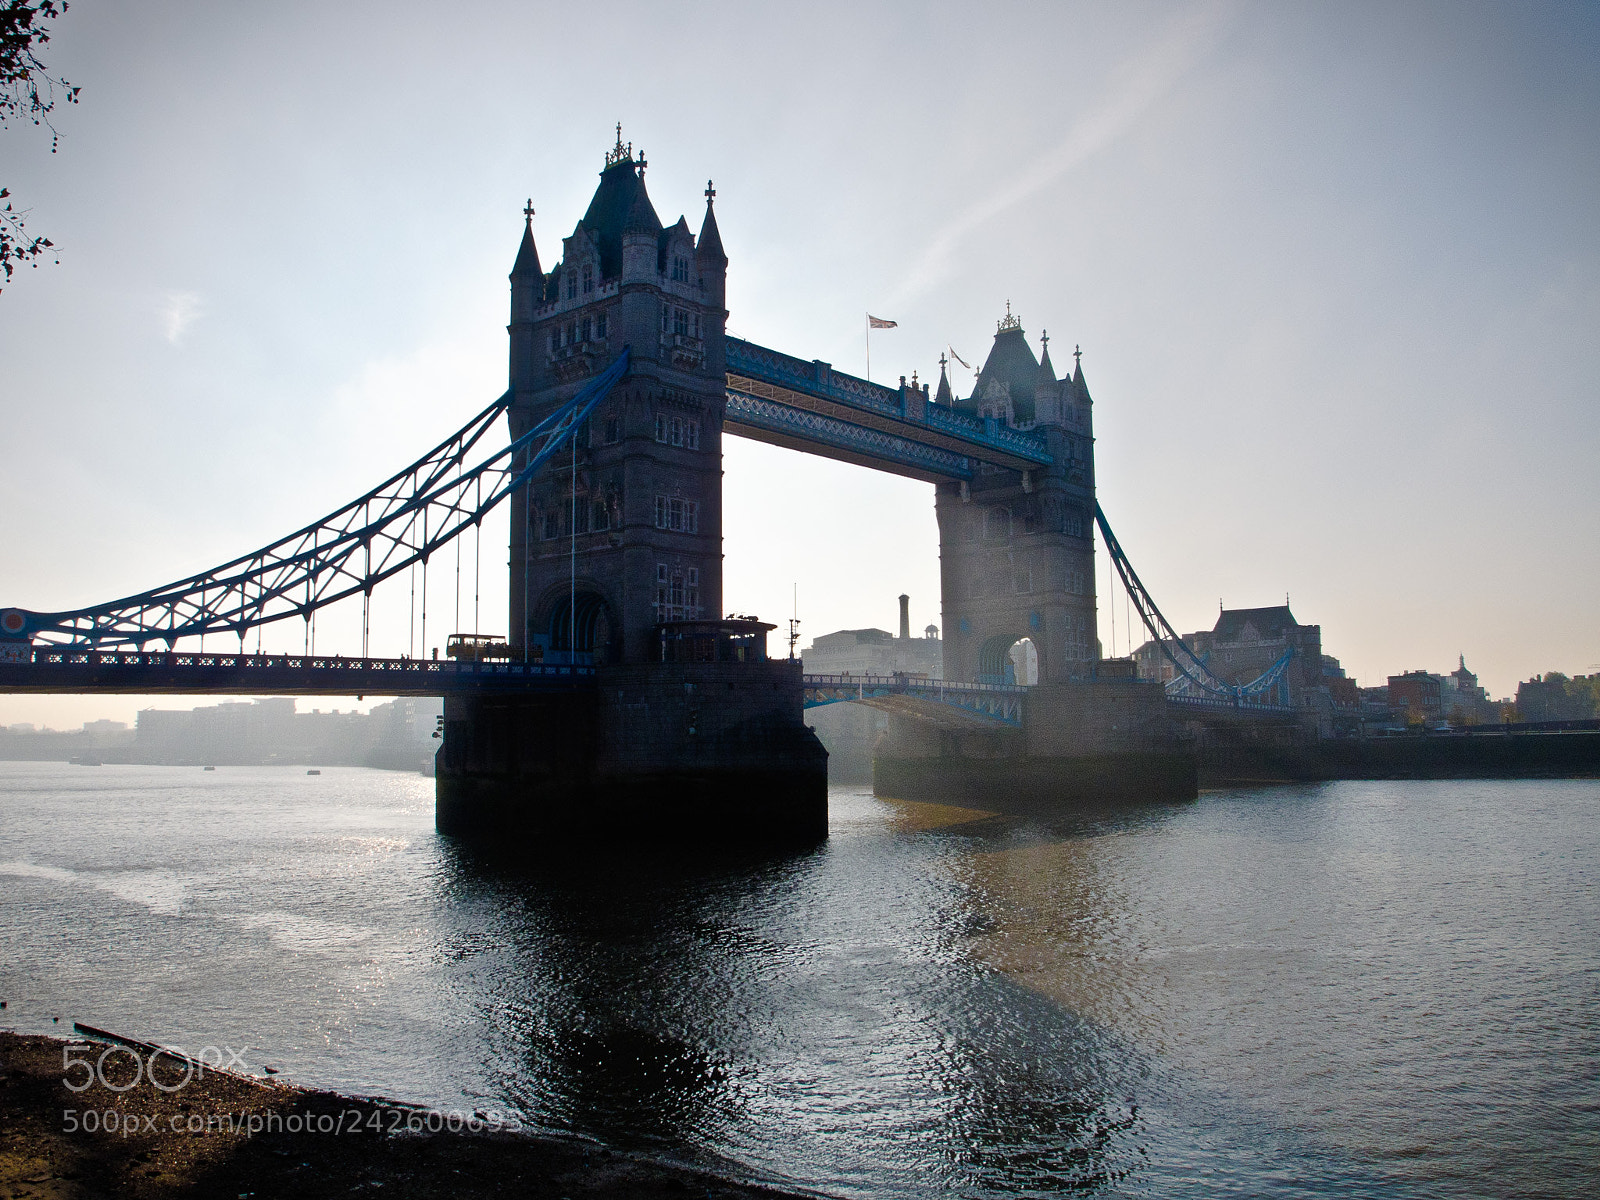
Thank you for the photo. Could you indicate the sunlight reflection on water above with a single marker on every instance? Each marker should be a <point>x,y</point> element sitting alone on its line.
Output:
<point>1351,989</point>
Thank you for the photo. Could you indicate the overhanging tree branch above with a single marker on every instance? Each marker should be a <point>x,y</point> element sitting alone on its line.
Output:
<point>27,90</point>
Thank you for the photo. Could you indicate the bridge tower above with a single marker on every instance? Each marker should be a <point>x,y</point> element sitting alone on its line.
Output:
<point>626,532</point>
<point>681,727</point>
<point>1016,547</point>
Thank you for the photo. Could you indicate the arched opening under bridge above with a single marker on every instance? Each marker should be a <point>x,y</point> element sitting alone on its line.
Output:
<point>579,622</point>
<point>1009,659</point>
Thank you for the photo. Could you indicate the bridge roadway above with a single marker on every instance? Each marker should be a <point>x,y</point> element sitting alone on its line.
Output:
<point>69,670</point>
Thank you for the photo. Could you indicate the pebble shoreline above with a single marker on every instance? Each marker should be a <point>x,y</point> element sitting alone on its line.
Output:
<point>220,1134</point>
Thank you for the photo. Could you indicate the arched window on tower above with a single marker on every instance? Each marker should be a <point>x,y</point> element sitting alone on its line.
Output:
<point>588,278</point>
<point>572,285</point>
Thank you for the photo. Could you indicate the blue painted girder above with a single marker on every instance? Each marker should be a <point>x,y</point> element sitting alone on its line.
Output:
<point>995,702</point>
<point>77,670</point>
<point>775,397</point>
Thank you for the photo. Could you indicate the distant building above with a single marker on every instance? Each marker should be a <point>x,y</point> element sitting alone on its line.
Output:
<point>1153,662</point>
<point>1342,690</point>
<point>1417,693</point>
<point>877,651</point>
<point>396,734</point>
<point>849,731</point>
<point>1463,701</point>
<point>1244,644</point>
<point>96,739</point>
<point>1552,697</point>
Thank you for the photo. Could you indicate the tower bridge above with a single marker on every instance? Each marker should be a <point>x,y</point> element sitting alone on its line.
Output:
<point>621,695</point>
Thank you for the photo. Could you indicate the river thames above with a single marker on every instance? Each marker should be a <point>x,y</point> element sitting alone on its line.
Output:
<point>1351,989</point>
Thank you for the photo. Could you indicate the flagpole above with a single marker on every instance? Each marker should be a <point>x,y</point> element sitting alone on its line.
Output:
<point>869,347</point>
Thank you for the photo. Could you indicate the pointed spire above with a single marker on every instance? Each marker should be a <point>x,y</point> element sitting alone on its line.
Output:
<point>1047,371</point>
<point>527,263</point>
<point>1078,381</point>
<point>621,153</point>
<point>710,244</point>
<point>943,395</point>
<point>641,216</point>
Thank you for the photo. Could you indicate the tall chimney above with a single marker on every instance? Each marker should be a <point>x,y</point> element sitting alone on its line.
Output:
<point>905,617</point>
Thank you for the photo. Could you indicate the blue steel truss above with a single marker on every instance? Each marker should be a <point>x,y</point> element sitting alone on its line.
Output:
<point>1194,677</point>
<point>400,522</point>
<point>814,427</point>
<point>80,669</point>
<point>995,702</point>
<point>977,434</point>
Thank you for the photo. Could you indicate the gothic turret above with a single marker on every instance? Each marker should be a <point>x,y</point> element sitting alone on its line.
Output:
<point>1047,371</point>
<point>1006,382</point>
<point>527,281</point>
<point>944,395</point>
<point>709,258</point>
<point>1079,384</point>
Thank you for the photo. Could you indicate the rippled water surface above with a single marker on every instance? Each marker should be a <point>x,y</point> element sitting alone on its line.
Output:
<point>1387,989</point>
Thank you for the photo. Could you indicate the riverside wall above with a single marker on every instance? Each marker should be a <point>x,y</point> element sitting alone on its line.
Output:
<point>1078,744</point>
<point>1563,755</point>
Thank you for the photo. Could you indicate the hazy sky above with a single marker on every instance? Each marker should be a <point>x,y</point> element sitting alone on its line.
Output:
<point>1333,268</point>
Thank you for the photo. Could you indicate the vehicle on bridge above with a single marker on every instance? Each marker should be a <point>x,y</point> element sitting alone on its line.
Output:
<point>477,647</point>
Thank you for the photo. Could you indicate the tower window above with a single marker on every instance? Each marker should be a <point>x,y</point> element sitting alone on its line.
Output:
<point>677,593</point>
<point>588,328</point>
<point>677,515</point>
<point>1077,640</point>
<point>600,327</point>
<point>680,270</point>
<point>680,322</point>
<point>677,431</point>
<point>600,520</point>
<point>572,285</point>
<point>588,277</point>
<point>613,430</point>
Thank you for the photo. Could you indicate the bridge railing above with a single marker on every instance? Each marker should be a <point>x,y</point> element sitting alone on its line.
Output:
<point>987,430</point>
<point>910,683</point>
<point>773,366</point>
<point>1232,704</point>
<point>67,656</point>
